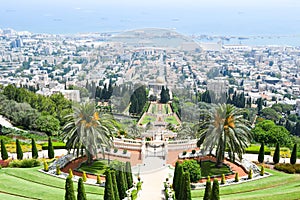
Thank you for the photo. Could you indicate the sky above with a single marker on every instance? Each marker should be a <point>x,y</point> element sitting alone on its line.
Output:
<point>244,17</point>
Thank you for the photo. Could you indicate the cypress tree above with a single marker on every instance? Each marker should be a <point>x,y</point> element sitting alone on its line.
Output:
<point>70,173</point>
<point>294,155</point>
<point>129,175</point>
<point>34,151</point>
<point>250,174</point>
<point>58,170</point>
<point>261,154</point>
<point>121,184</point>
<point>69,195</point>
<point>185,192</point>
<point>125,178</point>
<point>109,190</point>
<point>19,150</point>
<point>223,180</point>
<point>46,167</point>
<point>80,190</point>
<point>236,177</point>
<point>179,181</point>
<point>262,170</point>
<point>98,179</point>
<point>175,177</point>
<point>276,155</point>
<point>207,193</point>
<point>115,186</point>
<point>50,149</point>
<point>215,190</point>
<point>4,154</point>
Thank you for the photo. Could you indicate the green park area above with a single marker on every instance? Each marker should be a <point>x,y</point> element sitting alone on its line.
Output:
<point>29,183</point>
<point>147,119</point>
<point>209,168</point>
<point>98,167</point>
<point>278,186</point>
<point>171,120</point>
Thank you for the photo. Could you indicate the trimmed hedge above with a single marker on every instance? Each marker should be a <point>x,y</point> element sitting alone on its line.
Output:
<point>27,163</point>
<point>288,168</point>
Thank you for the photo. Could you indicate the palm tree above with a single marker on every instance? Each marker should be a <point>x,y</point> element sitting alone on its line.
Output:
<point>223,127</point>
<point>88,128</point>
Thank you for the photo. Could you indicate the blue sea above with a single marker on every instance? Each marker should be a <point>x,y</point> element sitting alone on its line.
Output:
<point>268,22</point>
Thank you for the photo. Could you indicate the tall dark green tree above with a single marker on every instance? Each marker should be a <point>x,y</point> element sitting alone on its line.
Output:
<point>276,156</point>
<point>261,155</point>
<point>293,158</point>
<point>34,151</point>
<point>129,175</point>
<point>215,195</point>
<point>4,154</point>
<point>70,194</point>
<point>19,150</point>
<point>115,185</point>
<point>185,190</point>
<point>178,183</point>
<point>175,177</point>
<point>50,149</point>
<point>109,189</point>
<point>80,190</point>
<point>121,183</point>
<point>207,192</point>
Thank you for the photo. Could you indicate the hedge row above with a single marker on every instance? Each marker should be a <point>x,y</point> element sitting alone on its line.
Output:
<point>56,145</point>
<point>288,168</point>
<point>27,163</point>
<point>254,149</point>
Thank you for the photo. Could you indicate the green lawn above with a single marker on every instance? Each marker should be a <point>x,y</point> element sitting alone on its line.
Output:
<point>30,183</point>
<point>148,119</point>
<point>171,120</point>
<point>279,186</point>
<point>208,169</point>
<point>98,167</point>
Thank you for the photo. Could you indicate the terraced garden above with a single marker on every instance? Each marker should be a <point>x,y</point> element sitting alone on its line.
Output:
<point>29,183</point>
<point>276,187</point>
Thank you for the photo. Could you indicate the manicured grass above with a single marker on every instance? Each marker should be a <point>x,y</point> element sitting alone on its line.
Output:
<point>148,119</point>
<point>208,168</point>
<point>254,149</point>
<point>56,145</point>
<point>98,167</point>
<point>276,187</point>
<point>171,120</point>
<point>33,184</point>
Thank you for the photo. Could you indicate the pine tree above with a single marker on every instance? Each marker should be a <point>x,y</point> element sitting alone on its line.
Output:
<point>19,150</point>
<point>294,155</point>
<point>69,195</point>
<point>276,155</point>
<point>4,154</point>
<point>115,186</point>
<point>207,193</point>
<point>261,155</point>
<point>109,190</point>
<point>179,181</point>
<point>50,149</point>
<point>215,190</point>
<point>185,192</point>
<point>80,190</point>
<point>34,151</point>
<point>129,175</point>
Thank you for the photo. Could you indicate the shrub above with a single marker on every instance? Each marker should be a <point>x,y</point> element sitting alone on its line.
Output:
<point>139,186</point>
<point>80,190</point>
<point>262,170</point>
<point>46,167</point>
<point>288,168</point>
<point>236,177</point>
<point>184,153</point>
<point>28,163</point>
<point>19,150</point>
<point>134,194</point>
<point>215,193</point>
<point>207,192</point>
<point>58,170</point>
<point>250,174</point>
<point>125,151</point>
<point>98,179</point>
<point>294,155</point>
<point>115,150</point>
<point>70,173</point>
<point>261,154</point>
<point>84,178</point>
<point>4,154</point>
<point>34,151</point>
<point>223,179</point>
<point>193,151</point>
<point>193,168</point>
<point>50,149</point>
<point>70,194</point>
